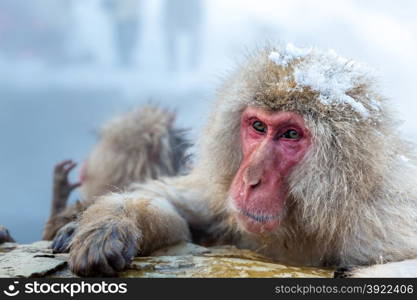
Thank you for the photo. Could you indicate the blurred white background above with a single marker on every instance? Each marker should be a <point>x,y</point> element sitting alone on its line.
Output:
<point>66,66</point>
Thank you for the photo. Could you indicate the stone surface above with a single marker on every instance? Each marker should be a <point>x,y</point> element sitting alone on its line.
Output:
<point>182,260</point>
<point>6,247</point>
<point>181,249</point>
<point>35,260</point>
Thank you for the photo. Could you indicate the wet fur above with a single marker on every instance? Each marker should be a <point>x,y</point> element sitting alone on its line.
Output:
<point>137,146</point>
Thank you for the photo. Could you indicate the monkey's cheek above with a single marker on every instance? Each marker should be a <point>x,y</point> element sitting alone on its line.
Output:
<point>257,227</point>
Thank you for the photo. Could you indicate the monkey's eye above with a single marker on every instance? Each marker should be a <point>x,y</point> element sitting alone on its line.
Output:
<point>291,134</point>
<point>259,126</point>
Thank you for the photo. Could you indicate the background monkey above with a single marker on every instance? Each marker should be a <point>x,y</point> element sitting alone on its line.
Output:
<point>300,160</point>
<point>134,147</point>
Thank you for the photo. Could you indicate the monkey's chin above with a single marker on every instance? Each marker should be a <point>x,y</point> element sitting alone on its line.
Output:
<point>257,223</point>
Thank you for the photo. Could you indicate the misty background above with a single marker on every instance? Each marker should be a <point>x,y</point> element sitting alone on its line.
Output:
<point>67,66</point>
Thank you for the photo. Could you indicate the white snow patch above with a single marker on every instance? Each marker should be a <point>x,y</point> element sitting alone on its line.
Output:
<point>375,105</point>
<point>327,73</point>
<point>403,158</point>
<point>289,54</point>
<point>357,106</point>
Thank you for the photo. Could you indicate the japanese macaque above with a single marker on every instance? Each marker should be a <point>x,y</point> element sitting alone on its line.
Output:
<point>139,145</point>
<point>5,236</point>
<point>300,160</point>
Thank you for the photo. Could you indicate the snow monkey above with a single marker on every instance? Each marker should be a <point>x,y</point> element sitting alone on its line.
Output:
<point>139,145</point>
<point>300,160</point>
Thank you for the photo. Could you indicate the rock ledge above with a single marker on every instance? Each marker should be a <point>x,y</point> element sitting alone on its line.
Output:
<point>182,260</point>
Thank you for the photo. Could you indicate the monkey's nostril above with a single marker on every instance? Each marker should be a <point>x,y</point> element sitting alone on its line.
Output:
<point>255,184</point>
<point>252,182</point>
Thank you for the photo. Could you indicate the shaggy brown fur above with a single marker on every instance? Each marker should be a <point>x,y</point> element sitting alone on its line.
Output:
<point>134,147</point>
<point>140,145</point>
<point>352,200</point>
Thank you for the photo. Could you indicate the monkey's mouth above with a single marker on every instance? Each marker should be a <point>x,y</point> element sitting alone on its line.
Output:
<point>258,223</point>
<point>261,218</point>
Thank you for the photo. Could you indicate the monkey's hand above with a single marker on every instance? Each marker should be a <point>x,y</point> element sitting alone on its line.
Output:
<point>5,235</point>
<point>117,226</point>
<point>62,187</point>
<point>64,237</point>
<point>103,248</point>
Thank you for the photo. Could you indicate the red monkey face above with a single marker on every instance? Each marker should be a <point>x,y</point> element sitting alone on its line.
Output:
<point>272,144</point>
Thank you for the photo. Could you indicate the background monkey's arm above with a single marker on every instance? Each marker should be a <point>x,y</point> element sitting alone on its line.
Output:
<point>62,214</point>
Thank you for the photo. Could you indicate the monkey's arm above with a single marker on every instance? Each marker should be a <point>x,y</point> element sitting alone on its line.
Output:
<point>62,188</point>
<point>119,226</point>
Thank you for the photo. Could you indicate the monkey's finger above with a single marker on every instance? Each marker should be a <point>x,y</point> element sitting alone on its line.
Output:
<point>78,261</point>
<point>97,260</point>
<point>74,185</point>
<point>60,166</point>
<point>130,251</point>
<point>68,167</point>
<point>61,243</point>
<point>113,252</point>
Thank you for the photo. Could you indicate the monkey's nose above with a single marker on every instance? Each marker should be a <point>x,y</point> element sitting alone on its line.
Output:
<point>254,184</point>
<point>253,177</point>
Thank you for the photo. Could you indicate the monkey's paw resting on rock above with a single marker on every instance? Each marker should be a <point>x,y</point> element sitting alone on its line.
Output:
<point>103,248</point>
